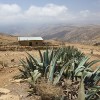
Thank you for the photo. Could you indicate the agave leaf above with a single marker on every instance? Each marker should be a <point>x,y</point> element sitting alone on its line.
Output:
<point>81,92</point>
<point>96,87</point>
<point>25,65</point>
<point>41,57</point>
<point>97,78</point>
<point>21,70</point>
<point>46,59</point>
<point>30,81</point>
<point>45,62</point>
<point>35,61</point>
<point>92,63</point>
<point>56,80</point>
<point>91,93</point>
<point>35,75</point>
<point>38,75</point>
<point>22,61</point>
<point>30,64</point>
<point>51,72</point>
<point>94,75</point>
<point>87,74</point>
<point>79,69</point>
<point>97,69</point>
<point>83,61</point>
<point>88,70</point>
<point>53,65</point>
<point>79,74</point>
<point>51,56</point>
<point>62,97</point>
<point>26,74</point>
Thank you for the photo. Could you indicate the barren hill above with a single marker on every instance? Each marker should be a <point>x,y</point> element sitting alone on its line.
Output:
<point>88,34</point>
<point>76,34</point>
<point>7,39</point>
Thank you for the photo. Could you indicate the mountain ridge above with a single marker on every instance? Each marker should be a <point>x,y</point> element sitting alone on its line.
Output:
<point>88,34</point>
<point>82,34</point>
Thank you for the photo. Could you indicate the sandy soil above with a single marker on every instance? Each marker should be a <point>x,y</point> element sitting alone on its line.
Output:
<point>11,62</point>
<point>12,58</point>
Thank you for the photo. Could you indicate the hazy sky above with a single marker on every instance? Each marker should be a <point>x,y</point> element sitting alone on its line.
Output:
<point>41,11</point>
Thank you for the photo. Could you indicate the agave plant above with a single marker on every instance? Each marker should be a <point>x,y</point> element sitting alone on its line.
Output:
<point>93,93</point>
<point>81,91</point>
<point>32,63</point>
<point>28,67</point>
<point>66,55</point>
<point>53,63</point>
<point>89,78</point>
<point>68,62</point>
<point>84,70</point>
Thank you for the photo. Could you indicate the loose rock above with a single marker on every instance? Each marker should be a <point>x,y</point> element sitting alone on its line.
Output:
<point>4,91</point>
<point>9,97</point>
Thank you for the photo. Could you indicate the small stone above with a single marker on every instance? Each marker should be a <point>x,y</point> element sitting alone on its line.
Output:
<point>6,85</point>
<point>21,96</point>
<point>10,80</point>
<point>17,81</point>
<point>12,60</point>
<point>16,65</point>
<point>4,91</point>
<point>11,66</point>
<point>9,97</point>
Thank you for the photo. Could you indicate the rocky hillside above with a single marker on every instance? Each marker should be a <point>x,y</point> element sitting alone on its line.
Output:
<point>83,34</point>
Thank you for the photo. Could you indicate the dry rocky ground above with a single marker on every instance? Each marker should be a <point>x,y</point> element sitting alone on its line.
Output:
<point>9,64</point>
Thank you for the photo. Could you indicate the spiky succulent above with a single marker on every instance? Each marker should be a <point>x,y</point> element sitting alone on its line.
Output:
<point>65,61</point>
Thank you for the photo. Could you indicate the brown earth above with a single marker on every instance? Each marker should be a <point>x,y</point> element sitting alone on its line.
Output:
<point>86,34</point>
<point>7,39</point>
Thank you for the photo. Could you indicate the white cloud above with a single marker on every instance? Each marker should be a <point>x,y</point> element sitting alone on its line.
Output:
<point>85,13</point>
<point>48,10</point>
<point>89,16</point>
<point>6,9</point>
<point>9,13</point>
<point>48,13</point>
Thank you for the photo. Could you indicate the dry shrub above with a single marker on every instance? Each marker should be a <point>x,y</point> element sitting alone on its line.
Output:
<point>48,91</point>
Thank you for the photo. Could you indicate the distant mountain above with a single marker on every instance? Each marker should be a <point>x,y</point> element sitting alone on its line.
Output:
<point>76,34</point>
<point>63,32</point>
